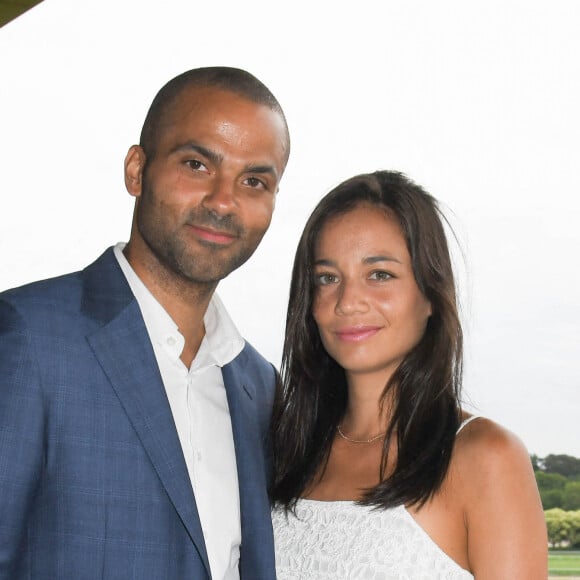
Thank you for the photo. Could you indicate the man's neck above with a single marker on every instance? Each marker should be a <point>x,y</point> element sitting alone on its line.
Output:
<point>185,301</point>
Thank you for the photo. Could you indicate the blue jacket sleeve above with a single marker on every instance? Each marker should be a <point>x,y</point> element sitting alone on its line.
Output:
<point>21,434</point>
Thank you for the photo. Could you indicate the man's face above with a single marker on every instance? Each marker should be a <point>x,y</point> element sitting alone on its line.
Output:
<point>206,197</point>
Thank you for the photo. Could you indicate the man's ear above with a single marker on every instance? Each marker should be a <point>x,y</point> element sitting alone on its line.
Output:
<point>134,166</point>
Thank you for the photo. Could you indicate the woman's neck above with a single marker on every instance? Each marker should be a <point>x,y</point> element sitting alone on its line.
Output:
<point>367,412</point>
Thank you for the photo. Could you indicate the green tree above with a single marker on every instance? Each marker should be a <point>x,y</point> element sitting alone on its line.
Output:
<point>552,498</point>
<point>551,487</point>
<point>550,480</point>
<point>559,527</point>
<point>537,462</point>
<point>574,534</point>
<point>571,496</point>
<point>563,464</point>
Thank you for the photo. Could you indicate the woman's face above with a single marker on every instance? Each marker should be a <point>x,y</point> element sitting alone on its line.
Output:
<point>368,308</point>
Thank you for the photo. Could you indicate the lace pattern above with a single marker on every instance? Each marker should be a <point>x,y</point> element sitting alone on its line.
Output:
<point>340,540</point>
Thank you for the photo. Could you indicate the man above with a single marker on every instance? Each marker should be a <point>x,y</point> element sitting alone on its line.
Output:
<point>133,416</point>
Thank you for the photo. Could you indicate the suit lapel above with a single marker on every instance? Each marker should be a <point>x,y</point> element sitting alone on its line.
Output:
<point>124,351</point>
<point>254,503</point>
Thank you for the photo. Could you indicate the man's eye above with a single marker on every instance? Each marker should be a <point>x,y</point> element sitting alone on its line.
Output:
<point>380,275</point>
<point>325,279</point>
<point>255,182</point>
<point>196,165</point>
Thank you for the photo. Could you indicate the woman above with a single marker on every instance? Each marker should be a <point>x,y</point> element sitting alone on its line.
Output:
<point>378,473</point>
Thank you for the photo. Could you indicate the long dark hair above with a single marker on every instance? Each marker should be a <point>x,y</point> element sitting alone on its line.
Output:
<point>312,395</point>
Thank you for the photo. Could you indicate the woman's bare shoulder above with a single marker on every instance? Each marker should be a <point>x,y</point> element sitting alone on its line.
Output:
<point>490,467</point>
<point>494,477</point>
<point>483,446</point>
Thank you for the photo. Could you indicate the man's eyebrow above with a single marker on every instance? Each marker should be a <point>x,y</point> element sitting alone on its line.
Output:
<point>217,158</point>
<point>262,169</point>
<point>214,157</point>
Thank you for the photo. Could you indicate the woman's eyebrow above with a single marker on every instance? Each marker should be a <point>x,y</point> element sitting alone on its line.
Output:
<point>375,259</point>
<point>367,260</point>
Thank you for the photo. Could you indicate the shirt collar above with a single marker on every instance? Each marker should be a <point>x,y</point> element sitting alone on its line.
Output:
<point>222,341</point>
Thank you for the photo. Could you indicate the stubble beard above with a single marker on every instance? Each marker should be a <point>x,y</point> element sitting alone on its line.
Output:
<point>177,256</point>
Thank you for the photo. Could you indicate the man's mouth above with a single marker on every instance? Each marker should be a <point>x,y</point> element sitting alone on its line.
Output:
<point>212,235</point>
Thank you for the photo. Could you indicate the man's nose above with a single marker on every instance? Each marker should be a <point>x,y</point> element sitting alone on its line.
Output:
<point>221,196</point>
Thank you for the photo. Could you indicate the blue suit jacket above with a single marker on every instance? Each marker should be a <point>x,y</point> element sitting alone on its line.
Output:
<point>93,483</point>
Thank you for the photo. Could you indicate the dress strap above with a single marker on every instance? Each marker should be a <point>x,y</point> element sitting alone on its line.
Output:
<point>466,422</point>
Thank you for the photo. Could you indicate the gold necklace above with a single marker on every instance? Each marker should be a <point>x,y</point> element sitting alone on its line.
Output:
<point>363,441</point>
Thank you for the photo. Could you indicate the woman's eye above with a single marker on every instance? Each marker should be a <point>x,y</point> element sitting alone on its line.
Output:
<point>380,275</point>
<point>325,279</point>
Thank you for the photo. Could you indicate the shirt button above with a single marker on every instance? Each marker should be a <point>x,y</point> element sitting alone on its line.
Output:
<point>171,341</point>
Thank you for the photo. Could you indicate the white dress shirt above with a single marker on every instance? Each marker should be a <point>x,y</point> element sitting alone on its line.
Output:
<point>197,398</point>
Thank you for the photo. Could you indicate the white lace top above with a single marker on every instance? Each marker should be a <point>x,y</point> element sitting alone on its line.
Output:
<point>341,540</point>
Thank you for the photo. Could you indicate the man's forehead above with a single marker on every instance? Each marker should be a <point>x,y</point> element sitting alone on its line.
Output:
<point>203,97</point>
<point>224,108</point>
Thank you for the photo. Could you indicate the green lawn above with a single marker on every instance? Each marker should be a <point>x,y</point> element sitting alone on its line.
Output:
<point>564,563</point>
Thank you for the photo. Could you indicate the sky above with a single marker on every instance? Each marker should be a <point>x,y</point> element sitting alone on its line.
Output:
<point>477,102</point>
